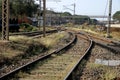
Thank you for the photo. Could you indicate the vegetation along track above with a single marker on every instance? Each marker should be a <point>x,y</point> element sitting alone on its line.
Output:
<point>102,64</point>
<point>58,66</point>
<point>7,73</point>
<point>21,48</point>
<point>106,43</point>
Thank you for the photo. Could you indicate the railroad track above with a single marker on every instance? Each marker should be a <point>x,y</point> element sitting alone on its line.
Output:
<point>105,52</point>
<point>100,65</point>
<point>71,75</point>
<point>103,62</point>
<point>30,34</point>
<point>57,66</point>
<point>6,74</point>
<point>105,55</point>
<point>105,42</point>
<point>34,34</point>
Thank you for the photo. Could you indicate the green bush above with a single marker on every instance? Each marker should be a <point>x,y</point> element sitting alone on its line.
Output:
<point>69,25</point>
<point>34,29</point>
<point>27,27</point>
<point>24,25</point>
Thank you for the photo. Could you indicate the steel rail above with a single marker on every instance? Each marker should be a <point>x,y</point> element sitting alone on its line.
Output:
<point>114,48</point>
<point>107,40</point>
<point>68,77</point>
<point>34,32</point>
<point>4,77</point>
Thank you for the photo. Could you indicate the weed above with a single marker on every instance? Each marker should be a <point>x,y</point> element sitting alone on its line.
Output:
<point>109,74</point>
<point>94,66</point>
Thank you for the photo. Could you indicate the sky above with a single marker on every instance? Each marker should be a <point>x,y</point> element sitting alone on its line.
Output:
<point>84,7</point>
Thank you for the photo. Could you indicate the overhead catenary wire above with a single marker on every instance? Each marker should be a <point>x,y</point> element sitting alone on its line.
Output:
<point>106,6</point>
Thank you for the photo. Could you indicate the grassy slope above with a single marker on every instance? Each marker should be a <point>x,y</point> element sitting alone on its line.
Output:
<point>20,45</point>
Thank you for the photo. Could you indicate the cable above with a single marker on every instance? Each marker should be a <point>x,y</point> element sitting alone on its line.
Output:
<point>105,10</point>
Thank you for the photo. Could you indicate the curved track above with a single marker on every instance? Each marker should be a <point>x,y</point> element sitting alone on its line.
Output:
<point>70,75</point>
<point>102,61</point>
<point>107,43</point>
<point>58,66</point>
<point>5,76</point>
<point>61,64</point>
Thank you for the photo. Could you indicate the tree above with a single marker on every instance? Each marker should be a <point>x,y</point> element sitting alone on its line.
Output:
<point>93,21</point>
<point>21,7</point>
<point>66,14</point>
<point>116,16</point>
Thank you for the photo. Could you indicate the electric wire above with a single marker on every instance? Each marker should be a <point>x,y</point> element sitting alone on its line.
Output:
<point>106,6</point>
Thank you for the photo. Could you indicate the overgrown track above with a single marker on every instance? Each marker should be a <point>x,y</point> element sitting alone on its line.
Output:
<point>5,76</point>
<point>105,42</point>
<point>30,34</point>
<point>56,66</point>
<point>110,44</point>
<point>59,66</point>
<point>102,63</point>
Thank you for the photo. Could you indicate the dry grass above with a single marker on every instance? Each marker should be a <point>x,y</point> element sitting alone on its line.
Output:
<point>8,50</point>
<point>93,66</point>
<point>47,28</point>
<point>115,32</point>
<point>51,40</point>
<point>106,72</point>
<point>21,44</point>
<point>116,35</point>
<point>110,73</point>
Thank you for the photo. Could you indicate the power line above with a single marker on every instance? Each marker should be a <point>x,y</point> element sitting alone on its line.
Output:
<point>105,10</point>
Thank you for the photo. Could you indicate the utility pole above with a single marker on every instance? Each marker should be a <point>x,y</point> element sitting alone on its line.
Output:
<point>39,17</point>
<point>74,13</point>
<point>51,16</point>
<point>44,17</point>
<point>5,20</point>
<point>74,8</point>
<point>109,19</point>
